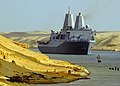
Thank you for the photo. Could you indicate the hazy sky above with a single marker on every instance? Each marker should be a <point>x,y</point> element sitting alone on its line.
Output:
<point>31,15</point>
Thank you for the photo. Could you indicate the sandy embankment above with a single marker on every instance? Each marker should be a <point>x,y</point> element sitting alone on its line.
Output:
<point>18,64</point>
<point>107,41</point>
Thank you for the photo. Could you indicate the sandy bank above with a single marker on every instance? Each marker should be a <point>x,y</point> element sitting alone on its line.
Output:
<point>107,41</point>
<point>18,64</point>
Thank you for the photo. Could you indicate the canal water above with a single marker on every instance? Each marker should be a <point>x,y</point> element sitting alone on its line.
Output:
<point>104,73</point>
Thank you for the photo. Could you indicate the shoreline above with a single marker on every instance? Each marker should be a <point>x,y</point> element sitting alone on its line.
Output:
<point>104,50</point>
<point>21,65</point>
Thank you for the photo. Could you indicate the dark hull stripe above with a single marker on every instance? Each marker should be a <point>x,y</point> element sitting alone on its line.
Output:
<point>79,48</point>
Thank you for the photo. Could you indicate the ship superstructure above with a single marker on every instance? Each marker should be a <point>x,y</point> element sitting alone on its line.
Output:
<point>73,38</point>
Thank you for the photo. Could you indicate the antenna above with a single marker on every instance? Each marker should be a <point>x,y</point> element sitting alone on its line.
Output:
<point>69,9</point>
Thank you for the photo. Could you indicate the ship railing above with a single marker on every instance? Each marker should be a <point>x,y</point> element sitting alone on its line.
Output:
<point>78,40</point>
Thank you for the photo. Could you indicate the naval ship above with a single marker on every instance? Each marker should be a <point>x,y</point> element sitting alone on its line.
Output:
<point>72,39</point>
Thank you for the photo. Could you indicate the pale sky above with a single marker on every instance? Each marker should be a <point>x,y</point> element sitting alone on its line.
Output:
<point>32,15</point>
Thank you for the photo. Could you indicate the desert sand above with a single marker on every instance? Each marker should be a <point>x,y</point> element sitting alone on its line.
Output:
<point>21,66</point>
<point>107,41</point>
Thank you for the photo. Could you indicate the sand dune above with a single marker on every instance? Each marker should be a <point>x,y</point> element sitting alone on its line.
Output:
<point>30,38</point>
<point>107,41</point>
<point>18,64</point>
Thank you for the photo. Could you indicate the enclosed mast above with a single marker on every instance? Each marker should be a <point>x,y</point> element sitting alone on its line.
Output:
<point>79,23</point>
<point>68,23</point>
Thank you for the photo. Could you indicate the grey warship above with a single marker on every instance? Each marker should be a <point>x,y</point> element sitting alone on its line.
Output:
<point>72,39</point>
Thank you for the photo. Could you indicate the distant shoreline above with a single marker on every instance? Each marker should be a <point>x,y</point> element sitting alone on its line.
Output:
<point>103,50</point>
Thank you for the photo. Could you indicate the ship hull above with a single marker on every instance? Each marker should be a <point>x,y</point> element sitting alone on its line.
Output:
<point>77,48</point>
